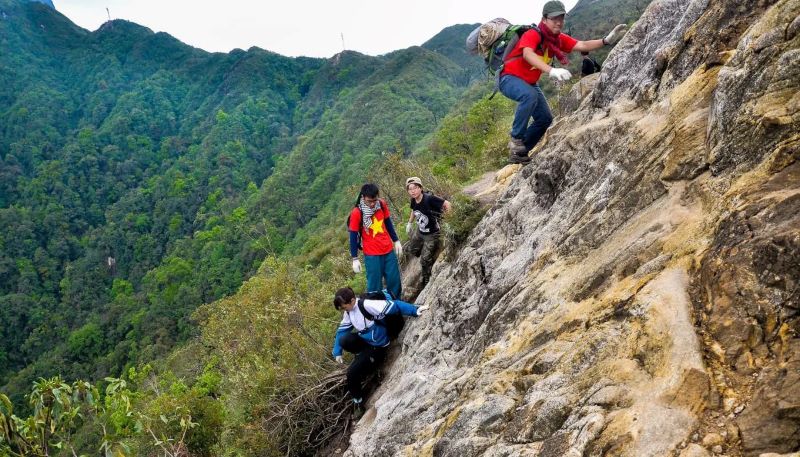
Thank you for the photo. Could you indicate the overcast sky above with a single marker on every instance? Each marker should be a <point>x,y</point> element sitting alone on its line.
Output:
<point>302,27</point>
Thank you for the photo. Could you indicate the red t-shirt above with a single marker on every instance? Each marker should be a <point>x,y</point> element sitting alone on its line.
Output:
<point>530,39</point>
<point>375,239</point>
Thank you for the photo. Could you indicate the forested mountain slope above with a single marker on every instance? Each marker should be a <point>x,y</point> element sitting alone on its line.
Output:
<point>142,177</point>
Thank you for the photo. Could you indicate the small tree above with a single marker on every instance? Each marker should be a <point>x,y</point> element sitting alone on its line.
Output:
<point>59,409</point>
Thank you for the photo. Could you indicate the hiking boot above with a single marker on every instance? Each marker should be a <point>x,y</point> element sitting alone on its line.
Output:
<point>517,146</point>
<point>519,159</point>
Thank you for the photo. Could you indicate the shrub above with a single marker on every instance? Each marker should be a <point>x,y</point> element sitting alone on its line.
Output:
<point>459,222</point>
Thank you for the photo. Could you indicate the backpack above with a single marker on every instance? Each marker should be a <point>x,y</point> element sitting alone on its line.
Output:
<point>589,66</point>
<point>393,323</point>
<point>495,40</point>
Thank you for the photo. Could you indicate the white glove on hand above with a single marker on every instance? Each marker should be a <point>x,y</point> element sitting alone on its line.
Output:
<point>356,266</point>
<point>339,359</point>
<point>398,248</point>
<point>422,309</point>
<point>560,74</point>
<point>615,34</point>
<point>408,228</point>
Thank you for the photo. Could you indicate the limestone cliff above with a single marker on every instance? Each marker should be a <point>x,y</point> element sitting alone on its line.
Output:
<point>635,290</point>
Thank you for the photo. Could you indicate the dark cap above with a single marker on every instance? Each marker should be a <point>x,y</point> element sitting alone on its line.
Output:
<point>553,8</point>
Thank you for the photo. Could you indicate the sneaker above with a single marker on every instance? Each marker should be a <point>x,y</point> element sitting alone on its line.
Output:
<point>517,146</point>
<point>519,159</point>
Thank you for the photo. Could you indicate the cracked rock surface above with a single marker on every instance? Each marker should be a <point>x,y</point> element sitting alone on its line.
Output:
<point>636,288</point>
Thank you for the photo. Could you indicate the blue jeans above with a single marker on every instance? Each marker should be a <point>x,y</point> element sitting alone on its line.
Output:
<point>381,267</point>
<point>531,104</point>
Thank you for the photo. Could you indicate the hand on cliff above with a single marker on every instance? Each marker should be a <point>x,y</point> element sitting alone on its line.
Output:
<point>422,309</point>
<point>615,35</point>
<point>339,359</point>
<point>356,266</point>
<point>398,249</point>
<point>560,74</point>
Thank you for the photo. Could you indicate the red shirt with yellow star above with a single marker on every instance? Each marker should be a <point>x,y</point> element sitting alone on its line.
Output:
<point>375,239</point>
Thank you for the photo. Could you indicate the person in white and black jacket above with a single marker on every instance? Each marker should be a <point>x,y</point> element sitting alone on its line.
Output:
<point>369,323</point>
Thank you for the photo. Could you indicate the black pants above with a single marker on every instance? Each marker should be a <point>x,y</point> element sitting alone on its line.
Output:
<point>368,359</point>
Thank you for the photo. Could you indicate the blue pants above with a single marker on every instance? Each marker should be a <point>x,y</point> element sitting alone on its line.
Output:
<point>380,267</point>
<point>531,104</point>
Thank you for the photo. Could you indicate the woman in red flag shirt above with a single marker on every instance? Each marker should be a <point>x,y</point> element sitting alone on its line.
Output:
<point>371,222</point>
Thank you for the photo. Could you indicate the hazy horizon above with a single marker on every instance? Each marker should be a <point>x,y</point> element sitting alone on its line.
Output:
<point>376,29</point>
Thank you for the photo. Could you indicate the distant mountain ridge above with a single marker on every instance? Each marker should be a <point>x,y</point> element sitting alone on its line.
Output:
<point>45,2</point>
<point>450,42</point>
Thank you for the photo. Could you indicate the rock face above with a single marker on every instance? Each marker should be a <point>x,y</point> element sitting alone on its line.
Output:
<point>637,286</point>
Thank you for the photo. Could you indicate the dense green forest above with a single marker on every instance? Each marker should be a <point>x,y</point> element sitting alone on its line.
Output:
<point>157,200</point>
<point>142,177</point>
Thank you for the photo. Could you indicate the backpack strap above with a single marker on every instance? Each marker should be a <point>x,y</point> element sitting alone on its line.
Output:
<point>384,208</point>
<point>382,295</point>
<point>506,60</point>
<point>540,47</point>
<point>367,315</point>
<point>360,225</point>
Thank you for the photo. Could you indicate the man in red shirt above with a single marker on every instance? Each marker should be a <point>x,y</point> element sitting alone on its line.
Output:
<point>524,66</point>
<point>370,220</point>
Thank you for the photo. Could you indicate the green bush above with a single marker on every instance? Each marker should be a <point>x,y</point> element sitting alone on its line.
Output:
<point>273,341</point>
<point>459,222</point>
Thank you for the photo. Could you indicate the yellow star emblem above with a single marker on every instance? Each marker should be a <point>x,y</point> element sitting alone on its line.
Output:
<point>377,226</point>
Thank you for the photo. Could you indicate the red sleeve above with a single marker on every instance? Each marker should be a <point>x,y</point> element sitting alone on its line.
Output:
<point>566,42</point>
<point>385,209</point>
<point>530,39</point>
<point>355,220</point>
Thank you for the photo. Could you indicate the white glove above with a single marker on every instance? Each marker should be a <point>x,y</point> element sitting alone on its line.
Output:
<point>560,74</point>
<point>398,248</point>
<point>339,359</point>
<point>409,226</point>
<point>422,309</point>
<point>615,34</point>
<point>356,266</point>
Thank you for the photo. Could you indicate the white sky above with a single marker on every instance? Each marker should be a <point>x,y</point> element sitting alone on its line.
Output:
<point>302,27</point>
